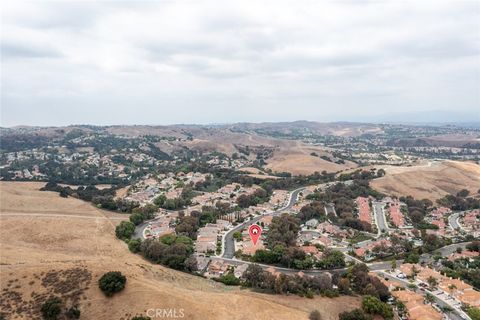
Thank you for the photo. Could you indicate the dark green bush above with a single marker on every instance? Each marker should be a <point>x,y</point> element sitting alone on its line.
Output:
<point>52,308</point>
<point>112,282</point>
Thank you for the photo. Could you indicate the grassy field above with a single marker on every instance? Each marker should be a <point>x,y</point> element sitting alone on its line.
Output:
<point>431,180</point>
<point>298,159</point>
<point>51,245</point>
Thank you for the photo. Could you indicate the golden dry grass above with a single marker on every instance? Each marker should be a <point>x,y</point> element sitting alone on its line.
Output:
<point>431,181</point>
<point>41,232</point>
<point>297,160</point>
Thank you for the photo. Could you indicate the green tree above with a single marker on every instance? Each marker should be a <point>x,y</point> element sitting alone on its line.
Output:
<point>394,264</point>
<point>412,258</point>
<point>136,218</point>
<point>283,230</point>
<point>463,193</point>
<point>134,245</point>
<point>355,314</point>
<point>188,226</point>
<point>373,305</point>
<point>125,230</point>
<point>112,282</point>
<point>237,236</point>
<point>474,246</point>
<point>474,313</point>
<point>380,172</point>
<point>229,279</point>
<point>52,308</point>
<point>160,200</point>
<point>254,276</point>
<point>429,298</point>
<point>332,259</point>
<point>432,282</point>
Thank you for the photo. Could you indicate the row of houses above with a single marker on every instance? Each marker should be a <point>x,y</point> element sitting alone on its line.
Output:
<point>395,213</point>
<point>208,237</point>
<point>415,306</point>
<point>455,288</point>
<point>364,212</point>
<point>161,226</point>
<point>471,222</point>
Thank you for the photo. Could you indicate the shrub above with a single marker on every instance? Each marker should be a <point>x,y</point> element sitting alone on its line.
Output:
<point>112,282</point>
<point>373,305</point>
<point>355,314</point>
<point>309,294</point>
<point>136,218</point>
<point>229,279</point>
<point>73,313</point>
<point>474,313</point>
<point>474,246</point>
<point>125,230</point>
<point>315,315</point>
<point>52,308</point>
<point>141,318</point>
<point>134,245</point>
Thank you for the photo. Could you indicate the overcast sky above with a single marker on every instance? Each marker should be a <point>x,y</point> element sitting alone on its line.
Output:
<point>164,62</point>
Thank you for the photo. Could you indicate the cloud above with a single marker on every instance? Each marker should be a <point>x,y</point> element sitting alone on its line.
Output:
<point>22,50</point>
<point>163,61</point>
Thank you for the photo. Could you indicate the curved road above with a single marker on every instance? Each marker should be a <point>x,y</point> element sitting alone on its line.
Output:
<point>453,220</point>
<point>228,248</point>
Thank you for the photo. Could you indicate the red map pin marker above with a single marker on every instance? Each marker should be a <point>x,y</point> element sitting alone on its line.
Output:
<point>255,231</point>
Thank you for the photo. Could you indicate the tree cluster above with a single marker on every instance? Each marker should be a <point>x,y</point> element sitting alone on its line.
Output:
<point>181,202</point>
<point>343,197</point>
<point>365,284</point>
<point>171,251</point>
<point>417,210</point>
<point>140,214</point>
<point>260,195</point>
<point>256,277</point>
<point>103,198</point>
<point>460,202</point>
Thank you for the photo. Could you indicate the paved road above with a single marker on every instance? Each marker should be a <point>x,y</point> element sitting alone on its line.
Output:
<point>228,241</point>
<point>374,266</point>
<point>138,234</point>
<point>453,220</point>
<point>316,272</point>
<point>380,219</point>
<point>447,250</point>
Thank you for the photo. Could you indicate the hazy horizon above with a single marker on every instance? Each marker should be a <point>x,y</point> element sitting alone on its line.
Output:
<point>471,123</point>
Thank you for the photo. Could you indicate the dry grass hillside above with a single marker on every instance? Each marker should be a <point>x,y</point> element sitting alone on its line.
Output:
<point>432,180</point>
<point>298,159</point>
<point>51,245</point>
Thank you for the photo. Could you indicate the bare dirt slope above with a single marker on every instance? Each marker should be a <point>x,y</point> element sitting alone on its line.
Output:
<point>432,180</point>
<point>51,245</point>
